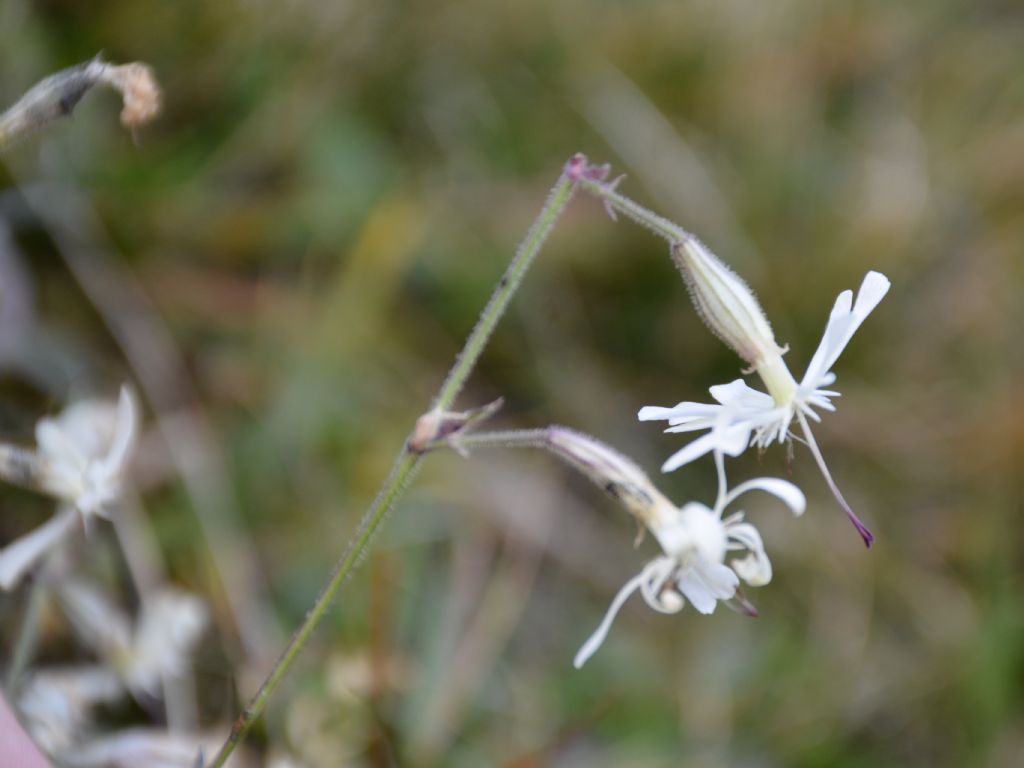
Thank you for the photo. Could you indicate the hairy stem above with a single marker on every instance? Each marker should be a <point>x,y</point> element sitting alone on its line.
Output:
<point>407,462</point>
<point>659,225</point>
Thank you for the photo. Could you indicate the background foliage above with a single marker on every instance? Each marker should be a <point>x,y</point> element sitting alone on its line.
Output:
<point>318,218</point>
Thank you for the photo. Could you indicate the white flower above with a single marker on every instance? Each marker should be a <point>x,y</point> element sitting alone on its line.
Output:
<point>744,416</point>
<point>149,747</point>
<point>158,645</point>
<point>56,704</point>
<point>696,541</point>
<point>81,459</point>
<point>85,451</point>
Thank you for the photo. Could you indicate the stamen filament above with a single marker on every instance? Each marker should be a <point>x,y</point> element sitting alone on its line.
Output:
<point>861,528</point>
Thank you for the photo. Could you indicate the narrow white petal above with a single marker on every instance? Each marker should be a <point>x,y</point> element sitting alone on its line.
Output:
<point>693,450</point>
<point>654,413</point>
<point>696,425</point>
<point>655,577</point>
<point>755,568</point>
<point>595,640</point>
<point>842,324</point>
<point>784,490</point>
<point>125,433</point>
<point>679,414</point>
<point>730,439</point>
<point>18,557</point>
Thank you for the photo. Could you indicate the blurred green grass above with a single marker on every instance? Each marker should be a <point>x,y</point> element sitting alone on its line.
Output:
<point>321,213</point>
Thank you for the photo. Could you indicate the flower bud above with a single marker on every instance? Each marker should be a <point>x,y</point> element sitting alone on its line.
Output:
<point>725,302</point>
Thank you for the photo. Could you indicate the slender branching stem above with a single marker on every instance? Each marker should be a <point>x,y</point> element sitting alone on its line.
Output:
<point>407,462</point>
<point>513,438</point>
<point>615,201</point>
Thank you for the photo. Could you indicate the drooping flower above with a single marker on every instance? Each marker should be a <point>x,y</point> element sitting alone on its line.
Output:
<point>696,541</point>
<point>81,457</point>
<point>743,416</point>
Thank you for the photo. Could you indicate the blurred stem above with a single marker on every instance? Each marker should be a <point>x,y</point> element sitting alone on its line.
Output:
<point>407,462</point>
<point>614,201</point>
<point>28,634</point>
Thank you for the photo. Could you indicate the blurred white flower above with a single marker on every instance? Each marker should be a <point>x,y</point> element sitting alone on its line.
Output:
<point>696,541</point>
<point>81,459</point>
<point>85,449</point>
<point>134,747</point>
<point>744,416</point>
<point>56,704</point>
<point>158,645</point>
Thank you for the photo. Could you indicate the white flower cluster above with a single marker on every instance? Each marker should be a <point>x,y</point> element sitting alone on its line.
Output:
<point>697,541</point>
<point>743,416</point>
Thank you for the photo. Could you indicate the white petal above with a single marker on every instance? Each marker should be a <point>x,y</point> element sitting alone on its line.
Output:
<point>595,640</point>
<point>170,626</point>
<point>784,490</point>
<point>694,450</point>
<point>842,324</point>
<point>57,446</point>
<point>706,583</point>
<point>124,435</point>
<point>733,439</point>
<point>19,557</point>
<point>656,576</point>
<point>755,568</point>
<point>696,425</point>
<point>737,392</point>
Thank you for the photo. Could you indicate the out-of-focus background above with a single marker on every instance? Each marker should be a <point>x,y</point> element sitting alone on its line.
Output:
<point>287,262</point>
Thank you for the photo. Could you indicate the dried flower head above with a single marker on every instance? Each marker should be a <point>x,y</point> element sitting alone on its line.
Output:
<point>138,88</point>
<point>57,96</point>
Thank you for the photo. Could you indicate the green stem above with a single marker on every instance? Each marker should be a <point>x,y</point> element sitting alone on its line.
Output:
<point>28,634</point>
<point>407,462</point>
<point>659,225</point>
